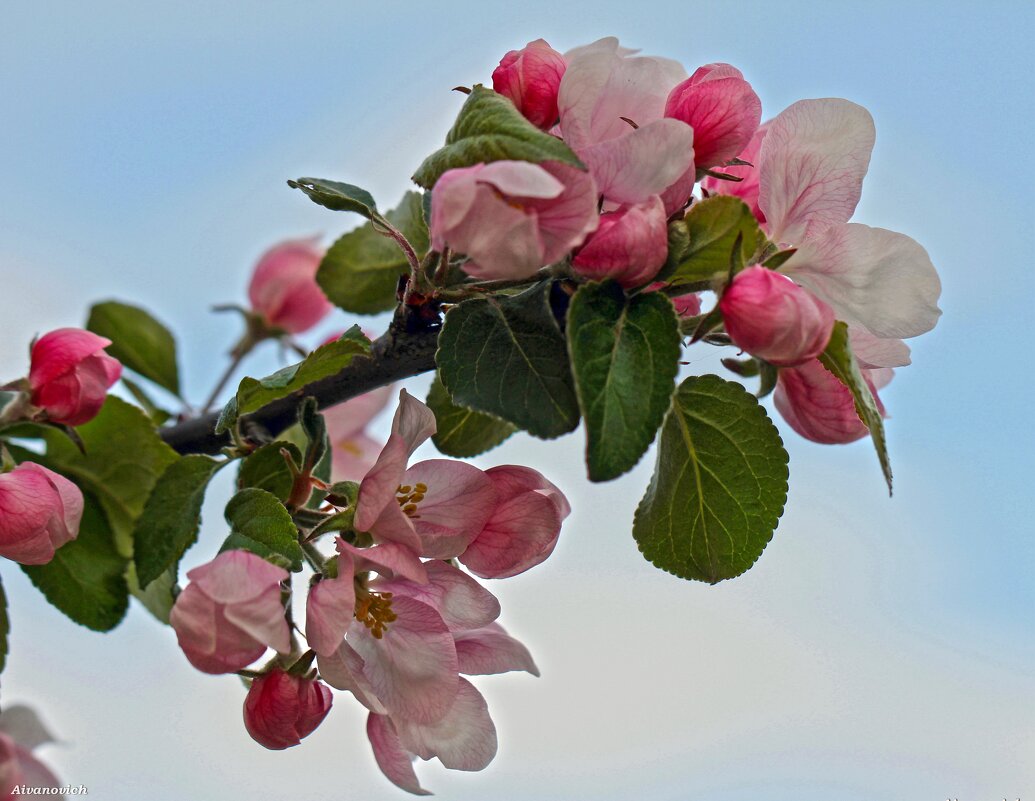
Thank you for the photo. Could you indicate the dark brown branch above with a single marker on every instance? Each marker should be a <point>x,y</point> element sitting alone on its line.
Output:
<point>399,354</point>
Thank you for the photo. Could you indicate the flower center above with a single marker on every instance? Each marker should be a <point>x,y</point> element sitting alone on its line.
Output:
<point>409,496</point>
<point>374,610</point>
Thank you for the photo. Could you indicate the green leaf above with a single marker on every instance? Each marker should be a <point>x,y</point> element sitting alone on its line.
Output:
<point>266,469</point>
<point>463,432</point>
<point>259,523</point>
<point>171,518</point>
<point>505,356</point>
<point>326,360</point>
<point>156,413</point>
<point>86,578</point>
<point>360,272</point>
<point>490,128</point>
<point>5,628</point>
<point>160,595</point>
<point>139,341</point>
<point>337,196</point>
<point>713,226</point>
<point>625,357</point>
<point>719,485</point>
<point>839,360</point>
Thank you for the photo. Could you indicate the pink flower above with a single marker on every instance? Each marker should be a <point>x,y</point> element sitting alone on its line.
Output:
<point>721,107</point>
<point>353,451</point>
<point>70,375</point>
<point>747,188</point>
<point>511,217</point>
<point>688,305</point>
<point>771,317</point>
<point>280,710</point>
<point>20,733</point>
<point>283,288</point>
<point>819,407</point>
<point>524,526</point>
<point>629,245</point>
<point>39,512</point>
<point>530,77</point>
<point>605,83</point>
<point>436,507</point>
<point>231,612</point>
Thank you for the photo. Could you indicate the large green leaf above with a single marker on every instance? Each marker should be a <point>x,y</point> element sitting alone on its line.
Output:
<point>839,360</point>
<point>490,128</point>
<point>360,272</point>
<point>713,226</point>
<point>719,485</point>
<point>625,356</point>
<point>171,518</point>
<point>463,432</point>
<point>139,341</point>
<point>326,360</point>
<point>337,196</point>
<point>86,578</point>
<point>259,523</point>
<point>506,356</point>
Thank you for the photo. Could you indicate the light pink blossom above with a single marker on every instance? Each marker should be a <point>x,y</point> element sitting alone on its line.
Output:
<point>530,78</point>
<point>283,288</point>
<point>231,612</point>
<point>21,732</point>
<point>629,245</point>
<point>353,451</point>
<point>281,710</point>
<point>39,512</point>
<point>511,217</point>
<point>70,375</point>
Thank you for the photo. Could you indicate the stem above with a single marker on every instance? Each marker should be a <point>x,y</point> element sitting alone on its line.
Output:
<point>238,355</point>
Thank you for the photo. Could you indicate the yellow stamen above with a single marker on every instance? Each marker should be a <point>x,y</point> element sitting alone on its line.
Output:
<point>374,610</point>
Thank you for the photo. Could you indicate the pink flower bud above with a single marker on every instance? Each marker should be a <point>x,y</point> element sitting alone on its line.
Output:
<point>819,407</point>
<point>773,318</point>
<point>70,375</point>
<point>511,217</point>
<point>284,289</point>
<point>39,512</point>
<point>280,710</point>
<point>531,77</point>
<point>721,107</point>
<point>629,245</point>
<point>230,612</point>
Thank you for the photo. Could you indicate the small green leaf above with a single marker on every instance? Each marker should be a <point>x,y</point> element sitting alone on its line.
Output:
<point>839,360</point>
<point>259,523</point>
<point>337,196</point>
<point>160,595</point>
<point>266,469</point>
<point>505,356</point>
<point>315,429</point>
<point>719,485</point>
<point>86,578</point>
<point>171,518</point>
<point>139,341</point>
<point>713,226</point>
<point>490,128</point>
<point>360,272</point>
<point>5,628</point>
<point>625,357</point>
<point>462,432</point>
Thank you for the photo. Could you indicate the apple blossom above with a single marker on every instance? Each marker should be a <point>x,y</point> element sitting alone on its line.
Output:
<point>353,451</point>
<point>70,375</point>
<point>283,290</point>
<point>630,244</point>
<point>39,512</point>
<point>281,710</point>
<point>21,732</point>
<point>510,217</point>
<point>531,77</point>
<point>231,612</point>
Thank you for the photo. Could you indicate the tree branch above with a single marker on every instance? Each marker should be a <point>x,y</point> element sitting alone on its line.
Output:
<point>406,349</point>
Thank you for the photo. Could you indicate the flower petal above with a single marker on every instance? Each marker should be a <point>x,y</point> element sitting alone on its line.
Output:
<point>458,502</point>
<point>59,351</point>
<point>395,763</point>
<point>413,421</point>
<point>236,576</point>
<point>871,351</point>
<point>330,607</point>
<point>389,559</point>
<point>262,618</point>
<point>462,602</point>
<point>521,533</point>
<point>520,179</point>
<point>464,739</point>
<point>344,670</point>
<point>377,489</point>
<point>491,650</point>
<point>346,420</point>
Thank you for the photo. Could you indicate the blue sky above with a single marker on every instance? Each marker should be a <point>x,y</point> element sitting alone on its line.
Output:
<point>880,649</point>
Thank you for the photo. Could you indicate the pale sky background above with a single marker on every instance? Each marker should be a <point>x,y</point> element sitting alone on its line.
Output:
<point>880,650</point>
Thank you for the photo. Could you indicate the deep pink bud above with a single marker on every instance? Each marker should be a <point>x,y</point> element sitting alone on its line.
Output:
<point>231,612</point>
<point>773,318</point>
<point>280,710</point>
<point>284,289</point>
<point>530,77</point>
<point>70,375</point>
<point>819,407</point>
<point>721,107</point>
<point>39,512</point>
<point>629,245</point>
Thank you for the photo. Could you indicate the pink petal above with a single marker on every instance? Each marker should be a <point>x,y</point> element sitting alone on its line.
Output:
<point>459,500</point>
<point>352,458</point>
<point>60,351</point>
<point>330,607</point>
<point>747,188</point>
<point>210,642</point>
<point>565,221</point>
<point>263,618</point>
<point>491,650</point>
<point>521,533</point>
<point>871,351</point>
<point>348,419</point>
<point>390,559</point>
<point>881,280</point>
<point>39,511</point>
<point>283,288</point>
<point>394,526</point>
<point>462,602</point>
<point>531,77</point>
<point>395,762</point>
<point>413,421</point>
<point>521,179</point>
<point>33,772</point>
<point>412,668</point>
<point>510,480</point>
<point>344,670</point>
<point>464,739</point>
<point>813,161</point>
<point>378,487</point>
<point>630,245</point>
<point>236,576</point>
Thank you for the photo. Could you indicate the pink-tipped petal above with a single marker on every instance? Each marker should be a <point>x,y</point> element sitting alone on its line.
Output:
<point>378,487</point>
<point>236,576</point>
<point>330,607</point>
<point>531,78</point>
<point>521,533</point>
<point>458,501</point>
<point>462,602</point>
<point>521,180</point>
<point>211,643</point>
<point>818,406</point>
<point>395,762</point>
<point>629,245</point>
<point>413,421</point>
<point>464,739</point>
<point>566,221</point>
<point>491,650</point>
<point>60,351</point>
<point>511,480</point>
